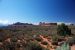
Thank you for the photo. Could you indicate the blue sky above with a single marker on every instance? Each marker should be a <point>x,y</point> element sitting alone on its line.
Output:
<point>34,11</point>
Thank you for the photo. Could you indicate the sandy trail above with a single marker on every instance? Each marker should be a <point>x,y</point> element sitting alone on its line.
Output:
<point>73,47</point>
<point>49,46</point>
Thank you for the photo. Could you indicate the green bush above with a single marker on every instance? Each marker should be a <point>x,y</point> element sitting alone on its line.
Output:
<point>63,30</point>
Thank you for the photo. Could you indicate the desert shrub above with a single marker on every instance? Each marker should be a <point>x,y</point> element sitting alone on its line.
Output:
<point>38,39</point>
<point>9,46</point>
<point>55,43</point>
<point>44,43</point>
<point>1,39</point>
<point>14,39</point>
<point>71,41</point>
<point>64,46</point>
<point>33,46</point>
<point>55,37</point>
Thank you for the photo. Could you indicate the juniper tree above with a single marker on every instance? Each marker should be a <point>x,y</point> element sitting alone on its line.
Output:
<point>63,30</point>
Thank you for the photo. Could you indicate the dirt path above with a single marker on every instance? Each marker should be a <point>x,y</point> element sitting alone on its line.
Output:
<point>49,46</point>
<point>73,47</point>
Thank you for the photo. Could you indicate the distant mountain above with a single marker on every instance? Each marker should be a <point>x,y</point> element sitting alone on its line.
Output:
<point>3,25</point>
<point>19,23</point>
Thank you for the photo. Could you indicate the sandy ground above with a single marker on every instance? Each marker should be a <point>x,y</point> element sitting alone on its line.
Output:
<point>73,47</point>
<point>45,39</point>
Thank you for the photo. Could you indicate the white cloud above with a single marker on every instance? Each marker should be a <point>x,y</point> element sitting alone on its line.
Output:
<point>4,22</point>
<point>59,23</point>
<point>64,23</point>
